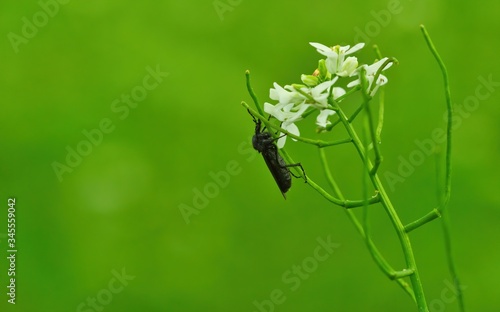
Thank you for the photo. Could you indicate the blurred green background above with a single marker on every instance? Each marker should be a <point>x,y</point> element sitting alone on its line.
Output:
<point>116,210</point>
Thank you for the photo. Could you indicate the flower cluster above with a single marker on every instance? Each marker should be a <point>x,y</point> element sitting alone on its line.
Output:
<point>297,99</point>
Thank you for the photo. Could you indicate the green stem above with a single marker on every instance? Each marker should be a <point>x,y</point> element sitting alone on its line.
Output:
<point>377,256</point>
<point>370,123</point>
<point>451,263</point>
<point>377,51</point>
<point>380,124</point>
<point>252,93</point>
<point>444,200</point>
<point>353,116</point>
<point>447,189</point>
<point>379,72</point>
<point>270,125</point>
<point>433,214</point>
<point>391,212</point>
<point>340,202</point>
<point>449,106</point>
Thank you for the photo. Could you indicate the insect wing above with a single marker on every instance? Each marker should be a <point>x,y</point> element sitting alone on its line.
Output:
<point>278,168</point>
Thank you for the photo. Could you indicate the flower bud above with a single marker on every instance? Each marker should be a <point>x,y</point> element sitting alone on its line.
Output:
<point>309,80</point>
<point>323,72</point>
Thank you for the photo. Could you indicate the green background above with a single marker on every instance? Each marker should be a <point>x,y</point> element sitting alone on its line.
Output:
<point>118,208</point>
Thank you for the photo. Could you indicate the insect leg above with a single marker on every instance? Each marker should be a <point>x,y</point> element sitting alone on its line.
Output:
<point>290,165</point>
<point>268,118</point>
<point>301,168</point>
<point>257,121</point>
<point>253,117</point>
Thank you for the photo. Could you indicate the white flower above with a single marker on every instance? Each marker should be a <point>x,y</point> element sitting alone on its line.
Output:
<point>288,114</point>
<point>319,95</point>
<point>293,103</point>
<point>371,70</point>
<point>321,91</point>
<point>285,95</point>
<point>348,66</point>
<point>336,63</point>
<point>322,119</point>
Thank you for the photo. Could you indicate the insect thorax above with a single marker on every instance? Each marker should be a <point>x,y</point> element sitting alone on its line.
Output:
<point>262,141</point>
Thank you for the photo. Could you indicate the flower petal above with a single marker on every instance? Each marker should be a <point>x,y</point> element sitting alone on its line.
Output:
<point>322,87</point>
<point>372,69</point>
<point>322,119</point>
<point>269,108</point>
<point>322,49</point>
<point>275,92</point>
<point>356,48</point>
<point>349,66</point>
<point>284,94</point>
<point>319,46</point>
<point>293,129</point>
<point>297,115</point>
<point>332,63</point>
<point>281,141</point>
<point>353,83</point>
<point>338,92</point>
<point>275,111</point>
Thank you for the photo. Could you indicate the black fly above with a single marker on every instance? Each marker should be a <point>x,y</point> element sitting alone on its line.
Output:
<point>263,142</point>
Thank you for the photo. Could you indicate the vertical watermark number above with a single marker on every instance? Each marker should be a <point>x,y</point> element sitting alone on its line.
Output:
<point>11,250</point>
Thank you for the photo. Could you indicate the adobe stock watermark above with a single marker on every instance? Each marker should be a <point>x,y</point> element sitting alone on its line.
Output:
<point>217,182</point>
<point>381,19</point>
<point>105,296</point>
<point>122,107</point>
<point>31,26</point>
<point>293,277</point>
<point>448,296</point>
<point>426,147</point>
<point>224,6</point>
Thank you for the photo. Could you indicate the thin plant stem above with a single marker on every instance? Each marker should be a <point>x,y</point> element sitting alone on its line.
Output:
<point>432,215</point>
<point>380,124</point>
<point>377,51</point>
<point>340,202</point>
<point>445,223</point>
<point>252,93</point>
<point>351,119</point>
<point>449,106</point>
<point>443,202</point>
<point>446,228</point>
<point>270,125</point>
<point>369,124</point>
<point>381,104</point>
<point>393,216</point>
<point>377,256</point>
